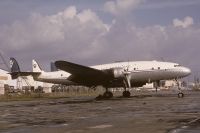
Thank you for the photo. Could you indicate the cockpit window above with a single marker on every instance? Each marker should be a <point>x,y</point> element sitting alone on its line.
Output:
<point>177,65</point>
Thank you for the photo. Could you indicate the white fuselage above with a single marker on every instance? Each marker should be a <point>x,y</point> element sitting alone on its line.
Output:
<point>140,71</point>
<point>57,77</point>
<point>149,70</point>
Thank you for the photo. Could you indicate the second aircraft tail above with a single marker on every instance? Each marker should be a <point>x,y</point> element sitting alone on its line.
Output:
<point>35,66</point>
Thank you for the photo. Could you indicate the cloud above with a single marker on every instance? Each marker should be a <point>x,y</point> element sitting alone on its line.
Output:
<point>188,21</point>
<point>129,42</point>
<point>121,7</point>
<point>67,31</point>
<point>157,4</point>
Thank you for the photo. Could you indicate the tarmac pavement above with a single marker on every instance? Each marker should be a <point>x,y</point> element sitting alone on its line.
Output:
<point>142,113</point>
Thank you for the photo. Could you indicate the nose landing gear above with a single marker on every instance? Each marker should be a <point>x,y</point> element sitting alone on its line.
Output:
<point>180,94</point>
<point>127,84</point>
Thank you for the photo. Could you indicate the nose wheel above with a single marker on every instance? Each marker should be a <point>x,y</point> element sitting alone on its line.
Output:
<point>180,95</point>
<point>127,84</point>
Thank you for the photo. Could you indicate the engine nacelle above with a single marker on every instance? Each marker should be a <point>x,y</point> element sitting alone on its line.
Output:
<point>116,72</point>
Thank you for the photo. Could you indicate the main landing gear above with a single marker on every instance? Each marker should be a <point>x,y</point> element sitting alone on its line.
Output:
<point>108,94</point>
<point>180,94</point>
<point>127,84</point>
<point>126,93</point>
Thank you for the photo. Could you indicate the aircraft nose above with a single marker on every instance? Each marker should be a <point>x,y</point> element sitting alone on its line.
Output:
<point>186,71</point>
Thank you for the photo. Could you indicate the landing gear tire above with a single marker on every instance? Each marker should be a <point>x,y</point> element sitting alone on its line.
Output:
<point>126,94</point>
<point>108,94</point>
<point>180,95</point>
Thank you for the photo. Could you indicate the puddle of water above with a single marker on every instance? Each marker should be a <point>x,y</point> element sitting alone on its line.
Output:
<point>107,108</point>
<point>176,131</point>
<point>101,126</point>
<point>6,115</point>
<point>82,117</point>
<point>59,125</point>
<point>185,131</point>
<point>192,127</point>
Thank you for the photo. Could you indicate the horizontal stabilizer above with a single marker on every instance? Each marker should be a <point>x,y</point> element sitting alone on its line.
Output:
<point>53,67</point>
<point>18,74</point>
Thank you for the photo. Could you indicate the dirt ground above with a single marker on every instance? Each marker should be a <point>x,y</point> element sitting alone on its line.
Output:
<point>146,112</point>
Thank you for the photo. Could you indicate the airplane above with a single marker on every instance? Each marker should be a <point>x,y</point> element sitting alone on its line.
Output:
<point>123,74</point>
<point>119,74</point>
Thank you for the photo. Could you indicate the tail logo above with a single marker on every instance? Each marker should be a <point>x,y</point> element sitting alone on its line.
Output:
<point>34,65</point>
<point>11,63</point>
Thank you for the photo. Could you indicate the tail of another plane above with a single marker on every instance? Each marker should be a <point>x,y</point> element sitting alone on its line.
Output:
<point>36,67</point>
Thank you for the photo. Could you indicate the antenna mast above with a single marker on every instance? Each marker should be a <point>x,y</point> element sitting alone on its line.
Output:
<point>4,61</point>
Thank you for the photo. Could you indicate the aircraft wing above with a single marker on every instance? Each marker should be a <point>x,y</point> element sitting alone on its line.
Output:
<point>79,70</point>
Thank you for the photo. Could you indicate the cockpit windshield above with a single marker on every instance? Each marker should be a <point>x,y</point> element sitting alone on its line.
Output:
<point>177,65</point>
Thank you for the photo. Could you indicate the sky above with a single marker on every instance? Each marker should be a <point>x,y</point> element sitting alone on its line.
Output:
<point>91,32</point>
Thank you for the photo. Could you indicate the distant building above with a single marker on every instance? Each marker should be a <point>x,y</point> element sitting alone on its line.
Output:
<point>21,83</point>
<point>148,86</point>
<point>47,87</point>
<point>165,84</point>
<point>170,83</point>
<point>5,79</point>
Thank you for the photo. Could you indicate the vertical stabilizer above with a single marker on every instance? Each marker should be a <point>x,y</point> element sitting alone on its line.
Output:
<point>14,67</point>
<point>36,67</point>
<point>53,67</point>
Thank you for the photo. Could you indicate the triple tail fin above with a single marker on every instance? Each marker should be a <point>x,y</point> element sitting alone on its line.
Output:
<point>53,67</point>
<point>14,67</point>
<point>15,70</point>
